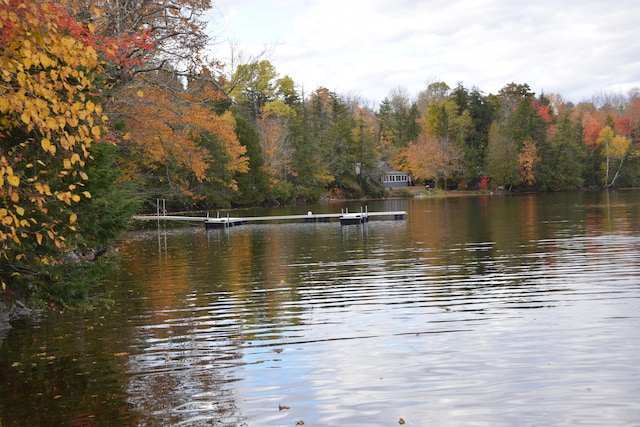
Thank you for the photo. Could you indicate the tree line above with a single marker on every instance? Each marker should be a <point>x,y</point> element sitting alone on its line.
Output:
<point>106,106</point>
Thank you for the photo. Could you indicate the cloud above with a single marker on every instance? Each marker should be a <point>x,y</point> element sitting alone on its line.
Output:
<point>576,49</point>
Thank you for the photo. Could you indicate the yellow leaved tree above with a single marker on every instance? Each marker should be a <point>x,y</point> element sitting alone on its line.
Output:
<point>49,118</point>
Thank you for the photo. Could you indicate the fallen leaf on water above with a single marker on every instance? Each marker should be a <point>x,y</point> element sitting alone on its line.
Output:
<point>57,396</point>
<point>15,364</point>
<point>281,407</point>
<point>299,423</point>
<point>278,350</point>
<point>124,353</point>
<point>401,420</point>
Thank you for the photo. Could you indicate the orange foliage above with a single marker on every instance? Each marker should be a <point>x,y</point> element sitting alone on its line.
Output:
<point>543,111</point>
<point>623,126</point>
<point>430,158</point>
<point>527,159</point>
<point>167,125</point>
<point>591,131</point>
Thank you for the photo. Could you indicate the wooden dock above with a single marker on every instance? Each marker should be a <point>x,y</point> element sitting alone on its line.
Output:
<point>345,218</point>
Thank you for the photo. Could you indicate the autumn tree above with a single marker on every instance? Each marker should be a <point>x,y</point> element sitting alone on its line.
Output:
<point>171,132</point>
<point>615,148</point>
<point>162,63</point>
<point>527,161</point>
<point>431,158</point>
<point>51,118</point>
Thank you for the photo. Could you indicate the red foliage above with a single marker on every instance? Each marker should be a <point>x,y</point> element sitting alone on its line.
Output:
<point>543,111</point>
<point>623,127</point>
<point>591,129</point>
<point>483,184</point>
<point>114,49</point>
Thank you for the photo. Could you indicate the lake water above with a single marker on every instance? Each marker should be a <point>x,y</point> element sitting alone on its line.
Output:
<point>474,311</point>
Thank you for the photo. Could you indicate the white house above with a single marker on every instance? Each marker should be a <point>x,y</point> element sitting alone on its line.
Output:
<point>392,178</point>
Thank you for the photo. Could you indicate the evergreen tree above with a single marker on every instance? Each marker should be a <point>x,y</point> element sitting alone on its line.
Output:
<point>563,159</point>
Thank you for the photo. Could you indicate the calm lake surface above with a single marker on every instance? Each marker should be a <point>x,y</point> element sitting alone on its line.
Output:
<point>474,311</point>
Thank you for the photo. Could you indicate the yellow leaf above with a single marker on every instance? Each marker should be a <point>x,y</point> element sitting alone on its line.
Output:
<point>39,238</point>
<point>46,144</point>
<point>20,210</point>
<point>75,198</point>
<point>15,197</point>
<point>140,93</point>
<point>72,218</point>
<point>25,117</point>
<point>91,27</point>
<point>13,180</point>
<point>95,131</point>
<point>52,123</point>
<point>86,194</point>
<point>4,104</point>
<point>91,107</point>
<point>45,60</point>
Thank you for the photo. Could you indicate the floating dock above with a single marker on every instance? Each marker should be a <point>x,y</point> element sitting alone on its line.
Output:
<point>345,218</point>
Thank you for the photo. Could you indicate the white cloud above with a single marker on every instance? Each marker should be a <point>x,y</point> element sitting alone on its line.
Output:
<point>576,49</point>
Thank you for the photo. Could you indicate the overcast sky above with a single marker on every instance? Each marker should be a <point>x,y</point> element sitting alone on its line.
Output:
<point>575,48</point>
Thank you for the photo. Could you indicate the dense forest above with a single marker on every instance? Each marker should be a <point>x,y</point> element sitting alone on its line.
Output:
<point>106,106</point>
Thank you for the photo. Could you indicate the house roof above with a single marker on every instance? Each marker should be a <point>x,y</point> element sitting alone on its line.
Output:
<point>388,170</point>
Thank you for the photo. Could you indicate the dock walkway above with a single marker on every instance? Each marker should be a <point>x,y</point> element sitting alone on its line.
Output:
<point>228,221</point>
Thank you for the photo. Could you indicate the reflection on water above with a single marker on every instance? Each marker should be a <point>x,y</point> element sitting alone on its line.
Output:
<point>496,311</point>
